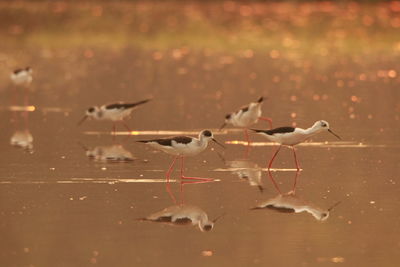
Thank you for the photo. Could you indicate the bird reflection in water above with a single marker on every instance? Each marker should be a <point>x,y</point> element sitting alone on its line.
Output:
<point>111,154</point>
<point>22,137</point>
<point>182,214</point>
<point>290,203</point>
<point>247,170</point>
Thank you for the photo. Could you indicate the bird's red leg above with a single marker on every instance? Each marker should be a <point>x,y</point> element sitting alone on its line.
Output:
<point>267,119</point>
<point>171,195</point>
<point>26,97</point>
<point>295,158</point>
<point>127,127</point>
<point>273,157</point>
<point>192,178</point>
<point>246,135</point>
<point>113,131</point>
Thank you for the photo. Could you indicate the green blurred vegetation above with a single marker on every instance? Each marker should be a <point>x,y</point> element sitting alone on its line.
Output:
<point>311,28</point>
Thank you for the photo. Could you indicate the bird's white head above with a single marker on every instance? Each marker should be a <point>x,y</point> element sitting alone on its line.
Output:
<point>90,112</point>
<point>322,215</point>
<point>207,135</point>
<point>228,120</point>
<point>321,126</point>
<point>206,225</point>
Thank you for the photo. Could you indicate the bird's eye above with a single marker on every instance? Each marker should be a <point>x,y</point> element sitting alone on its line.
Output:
<point>207,133</point>
<point>228,116</point>
<point>323,124</point>
<point>91,110</point>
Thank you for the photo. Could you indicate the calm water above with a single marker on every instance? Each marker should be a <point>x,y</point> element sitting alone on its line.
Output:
<point>64,202</point>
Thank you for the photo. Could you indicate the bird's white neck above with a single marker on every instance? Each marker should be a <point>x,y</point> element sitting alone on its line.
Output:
<point>312,130</point>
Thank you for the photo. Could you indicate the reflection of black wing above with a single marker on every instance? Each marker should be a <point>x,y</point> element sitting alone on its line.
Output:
<point>168,141</point>
<point>126,105</point>
<point>183,221</point>
<point>279,130</point>
<point>244,109</point>
<point>281,209</point>
<point>278,209</point>
<point>168,219</point>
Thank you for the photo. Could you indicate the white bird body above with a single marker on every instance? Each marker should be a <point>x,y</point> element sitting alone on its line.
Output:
<point>182,145</point>
<point>112,112</point>
<point>245,116</point>
<point>22,76</point>
<point>183,214</point>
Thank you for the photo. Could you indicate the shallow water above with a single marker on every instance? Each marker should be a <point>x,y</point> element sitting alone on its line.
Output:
<point>72,196</point>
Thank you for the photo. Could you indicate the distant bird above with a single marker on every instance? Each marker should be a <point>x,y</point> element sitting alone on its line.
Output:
<point>182,146</point>
<point>246,116</point>
<point>289,136</point>
<point>183,214</point>
<point>22,76</point>
<point>113,112</point>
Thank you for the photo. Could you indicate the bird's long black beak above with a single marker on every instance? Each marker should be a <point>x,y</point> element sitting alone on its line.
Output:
<point>334,205</point>
<point>329,130</point>
<point>222,126</point>
<point>82,120</point>
<point>219,217</point>
<point>221,145</point>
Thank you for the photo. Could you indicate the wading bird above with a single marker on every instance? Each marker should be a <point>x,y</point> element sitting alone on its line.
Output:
<point>182,146</point>
<point>246,116</point>
<point>113,112</point>
<point>289,136</point>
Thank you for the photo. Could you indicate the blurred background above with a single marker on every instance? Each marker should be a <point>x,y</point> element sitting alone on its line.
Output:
<point>198,60</point>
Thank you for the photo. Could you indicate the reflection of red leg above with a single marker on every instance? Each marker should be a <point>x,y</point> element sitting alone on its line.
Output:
<point>191,178</point>
<point>168,188</point>
<point>295,158</point>
<point>171,167</point>
<point>246,135</point>
<point>295,182</point>
<point>273,157</point>
<point>274,182</point>
<point>267,119</point>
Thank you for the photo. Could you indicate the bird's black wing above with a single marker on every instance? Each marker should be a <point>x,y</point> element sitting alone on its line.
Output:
<point>126,105</point>
<point>168,141</point>
<point>276,130</point>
